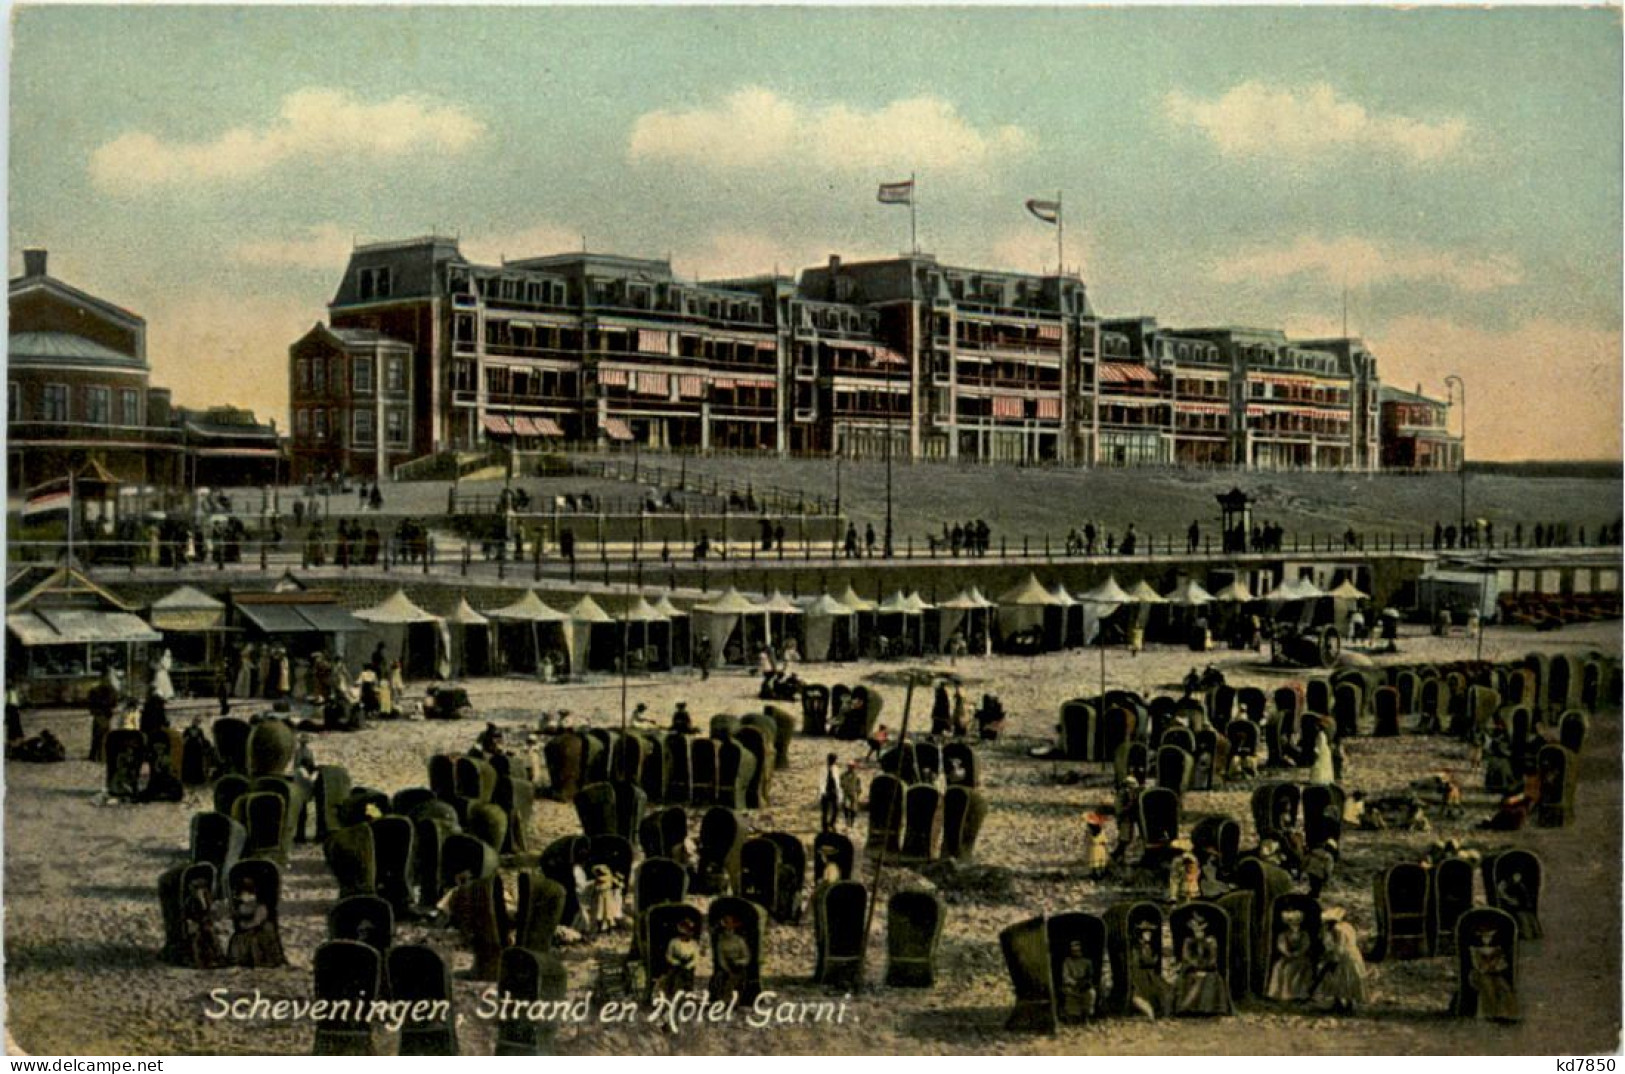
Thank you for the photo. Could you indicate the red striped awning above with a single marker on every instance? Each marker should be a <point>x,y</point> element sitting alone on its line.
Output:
<point>887,356</point>
<point>651,341</point>
<point>1049,408</point>
<point>617,429</point>
<point>1125,373</point>
<point>723,384</point>
<point>690,387</point>
<point>1049,331</point>
<point>498,425</point>
<point>616,377</point>
<point>1008,406</point>
<point>547,427</point>
<point>1203,408</point>
<point>653,384</point>
<point>524,426</point>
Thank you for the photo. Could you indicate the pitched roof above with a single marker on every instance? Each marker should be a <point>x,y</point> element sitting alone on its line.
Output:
<point>23,284</point>
<point>67,347</point>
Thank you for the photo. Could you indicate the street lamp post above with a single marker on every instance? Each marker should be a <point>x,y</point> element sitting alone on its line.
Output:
<point>890,414</point>
<point>1459,390</point>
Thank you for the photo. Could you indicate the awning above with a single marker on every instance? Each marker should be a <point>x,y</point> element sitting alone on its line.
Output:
<point>1008,406</point>
<point>301,618</point>
<point>547,427</point>
<point>617,429</point>
<point>690,387</point>
<point>498,425</point>
<point>330,618</point>
<point>275,618</point>
<point>237,452</point>
<point>653,384</point>
<point>187,609</point>
<point>79,627</point>
<point>1220,409</point>
<point>616,377</point>
<point>524,426</point>
<point>1126,373</point>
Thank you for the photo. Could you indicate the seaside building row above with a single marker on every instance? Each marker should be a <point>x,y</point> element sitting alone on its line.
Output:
<point>426,351</point>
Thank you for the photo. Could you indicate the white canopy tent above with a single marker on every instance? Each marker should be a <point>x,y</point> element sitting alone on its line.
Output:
<point>1099,603</point>
<point>718,619</point>
<point>1026,606</point>
<point>1235,593</point>
<point>779,609</point>
<point>420,651</point>
<point>530,615</point>
<point>468,638</point>
<point>823,618</point>
<point>1188,593</point>
<point>578,628</point>
<point>682,637</point>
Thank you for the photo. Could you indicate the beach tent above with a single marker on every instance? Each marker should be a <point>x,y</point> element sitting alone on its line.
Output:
<point>963,610</point>
<point>781,613</point>
<point>524,627</point>
<point>902,619</point>
<point>733,625</point>
<point>1235,593</point>
<point>647,636</point>
<point>1189,594</point>
<point>1071,615</point>
<point>827,624</point>
<point>585,619</point>
<point>682,634</point>
<point>1347,590</point>
<point>864,622</point>
<point>468,639</point>
<point>1028,606</point>
<point>410,633</point>
<point>1099,604</point>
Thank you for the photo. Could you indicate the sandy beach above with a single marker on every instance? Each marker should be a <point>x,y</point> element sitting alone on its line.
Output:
<point>83,926</point>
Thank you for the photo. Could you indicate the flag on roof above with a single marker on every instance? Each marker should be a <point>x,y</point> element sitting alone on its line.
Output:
<point>1047,211</point>
<point>897,193</point>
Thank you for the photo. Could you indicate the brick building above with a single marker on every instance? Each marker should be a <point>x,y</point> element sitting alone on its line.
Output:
<point>1415,435</point>
<point>938,361</point>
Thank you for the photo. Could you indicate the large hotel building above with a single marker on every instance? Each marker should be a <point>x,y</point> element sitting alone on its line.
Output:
<point>426,352</point>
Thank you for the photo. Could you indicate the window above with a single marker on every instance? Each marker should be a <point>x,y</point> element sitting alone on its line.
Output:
<point>14,401</point>
<point>130,401</point>
<point>363,427</point>
<point>374,283</point>
<point>318,370</point>
<point>395,375</point>
<point>301,423</point>
<point>321,424</point>
<point>361,376</point>
<point>55,404</point>
<point>302,377</point>
<point>395,426</point>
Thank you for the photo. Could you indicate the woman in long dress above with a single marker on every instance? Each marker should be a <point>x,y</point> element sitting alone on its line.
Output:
<point>162,684</point>
<point>1201,987</point>
<point>1323,770</point>
<point>1491,977</point>
<point>254,940</point>
<point>1344,981</point>
<point>1148,992</point>
<point>1293,972</point>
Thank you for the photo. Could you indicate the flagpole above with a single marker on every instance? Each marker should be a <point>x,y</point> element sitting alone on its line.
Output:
<point>1060,236</point>
<point>913,227</point>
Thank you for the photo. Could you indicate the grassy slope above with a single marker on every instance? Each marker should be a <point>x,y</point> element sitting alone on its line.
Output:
<point>1039,501</point>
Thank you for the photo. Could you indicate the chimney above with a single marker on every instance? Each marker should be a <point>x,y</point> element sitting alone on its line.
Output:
<point>34,262</point>
<point>834,271</point>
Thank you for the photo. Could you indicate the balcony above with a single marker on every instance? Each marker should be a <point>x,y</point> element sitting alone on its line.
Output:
<point>20,433</point>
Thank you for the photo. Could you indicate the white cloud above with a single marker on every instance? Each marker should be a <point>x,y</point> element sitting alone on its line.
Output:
<point>756,128</point>
<point>311,124</point>
<point>1362,262</point>
<point>1256,120</point>
<point>325,246</point>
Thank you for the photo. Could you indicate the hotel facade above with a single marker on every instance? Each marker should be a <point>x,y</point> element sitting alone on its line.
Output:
<point>427,352</point>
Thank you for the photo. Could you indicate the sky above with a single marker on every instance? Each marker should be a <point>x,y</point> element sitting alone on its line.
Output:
<point>1456,174</point>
